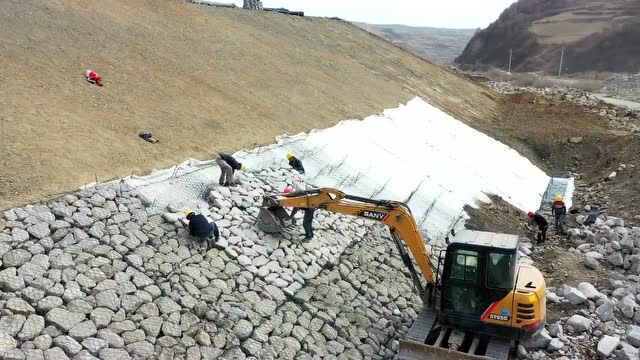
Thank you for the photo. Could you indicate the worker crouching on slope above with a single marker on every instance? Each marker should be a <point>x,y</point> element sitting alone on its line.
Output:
<point>559,210</point>
<point>295,163</point>
<point>228,165</point>
<point>542,224</point>
<point>201,229</point>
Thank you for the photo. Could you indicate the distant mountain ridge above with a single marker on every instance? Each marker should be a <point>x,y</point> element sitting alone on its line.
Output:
<point>598,35</point>
<point>440,46</point>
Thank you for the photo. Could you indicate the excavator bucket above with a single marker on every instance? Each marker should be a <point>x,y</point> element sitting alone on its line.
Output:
<point>269,220</point>
<point>271,216</point>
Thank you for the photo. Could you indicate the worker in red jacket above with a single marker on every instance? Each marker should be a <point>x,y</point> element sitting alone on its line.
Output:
<point>542,223</point>
<point>93,77</point>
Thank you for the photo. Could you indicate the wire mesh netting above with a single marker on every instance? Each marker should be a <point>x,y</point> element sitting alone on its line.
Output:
<point>415,154</point>
<point>559,186</point>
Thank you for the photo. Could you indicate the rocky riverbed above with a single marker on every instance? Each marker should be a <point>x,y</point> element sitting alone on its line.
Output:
<point>94,275</point>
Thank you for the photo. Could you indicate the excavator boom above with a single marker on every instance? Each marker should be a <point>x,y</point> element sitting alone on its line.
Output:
<point>396,215</point>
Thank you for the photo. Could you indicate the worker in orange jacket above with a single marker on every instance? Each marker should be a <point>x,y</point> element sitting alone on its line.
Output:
<point>559,210</point>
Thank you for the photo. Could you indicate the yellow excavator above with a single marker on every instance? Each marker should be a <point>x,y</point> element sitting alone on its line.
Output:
<point>478,301</point>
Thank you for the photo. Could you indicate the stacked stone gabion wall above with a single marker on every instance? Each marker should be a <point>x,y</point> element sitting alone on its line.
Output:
<point>94,275</point>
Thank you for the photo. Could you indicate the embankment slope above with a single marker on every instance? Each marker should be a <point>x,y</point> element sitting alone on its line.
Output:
<point>201,79</point>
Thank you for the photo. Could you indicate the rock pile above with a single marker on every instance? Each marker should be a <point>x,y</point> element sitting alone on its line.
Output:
<point>604,322</point>
<point>620,118</point>
<point>94,275</point>
<point>623,86</point>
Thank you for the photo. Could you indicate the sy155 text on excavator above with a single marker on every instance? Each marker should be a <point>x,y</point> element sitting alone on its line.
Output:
<point>478,300</point>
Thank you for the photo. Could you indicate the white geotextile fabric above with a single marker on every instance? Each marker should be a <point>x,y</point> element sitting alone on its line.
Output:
<point>414,153</point>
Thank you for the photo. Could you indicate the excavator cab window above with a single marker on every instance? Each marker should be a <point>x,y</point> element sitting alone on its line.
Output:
<point>462,295</point>
<point>474,277</point>
<point>465,266</point>
<point>500,270</point>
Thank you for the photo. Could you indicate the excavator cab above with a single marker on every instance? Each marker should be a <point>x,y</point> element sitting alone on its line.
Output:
<point>486,302</point>
<point>479,271</point>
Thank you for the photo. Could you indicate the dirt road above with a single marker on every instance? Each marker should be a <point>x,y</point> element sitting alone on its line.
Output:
<point>201,79</point>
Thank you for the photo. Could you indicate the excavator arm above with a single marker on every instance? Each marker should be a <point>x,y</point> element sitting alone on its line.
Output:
<point>396,215</point>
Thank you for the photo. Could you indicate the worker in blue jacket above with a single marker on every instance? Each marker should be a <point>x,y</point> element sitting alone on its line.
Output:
<point>295,163</point>
<point>201,229</point>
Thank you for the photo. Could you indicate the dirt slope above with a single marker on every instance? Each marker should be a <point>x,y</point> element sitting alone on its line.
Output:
<point>597,34</point>
<point>201,79</point>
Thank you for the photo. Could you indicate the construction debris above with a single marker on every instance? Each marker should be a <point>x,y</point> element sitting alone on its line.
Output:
<point>285,11</point>
<point>214,3</point>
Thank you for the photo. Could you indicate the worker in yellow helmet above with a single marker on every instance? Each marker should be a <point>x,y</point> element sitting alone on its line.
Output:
<point>228,165</point>
<point>295,163</point>
<point>559,210</point>
<point>201,229</point>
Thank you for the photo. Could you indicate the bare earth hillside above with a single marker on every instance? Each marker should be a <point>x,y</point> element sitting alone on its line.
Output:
<point>201,79</point>
<point>440,46</point>
<point>598,35</point>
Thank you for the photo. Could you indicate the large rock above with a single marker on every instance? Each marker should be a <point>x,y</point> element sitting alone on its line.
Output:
<point>627,306</point>
<point>151,326</point>
<point>607,344</point>
<point>64,319</point>
<point>19,235</point>
<point>32,327</point>
<point>627,244</point>
<point>605,311</point>
<point>167,305</point>
<point>615,259</point>
<point>11,324</point>
<point>55,353</point>
<point>627,352</point>
<point>579,323</point>
<point>7,342</point>
<point>575,296</point>
<point>108,299</point>
<point>114,340</point>
<point>68,344</point>
<point>112,354</point>
<point>39,231</point>
<point>588,290</point>
<point>19,306</point>
<point>47,303</point>
<point>243,329</point>
<point>16,258</point>
<point>555,345</point>
<point>266,307</point>
<point>633,335</point>
<point>591,263</point>
<point>539,341</point>
<point>141,350</point>
<point>94,345</point>
<point>83,330</point>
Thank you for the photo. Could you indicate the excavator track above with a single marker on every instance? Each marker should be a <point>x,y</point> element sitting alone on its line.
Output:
<point>426,339</point>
